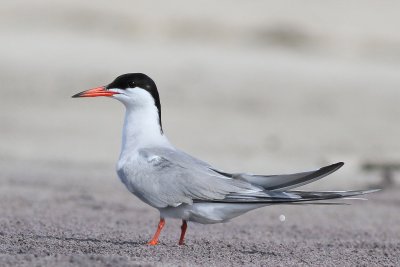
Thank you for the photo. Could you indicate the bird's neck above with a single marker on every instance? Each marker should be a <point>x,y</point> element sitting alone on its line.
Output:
<point>142,129</point>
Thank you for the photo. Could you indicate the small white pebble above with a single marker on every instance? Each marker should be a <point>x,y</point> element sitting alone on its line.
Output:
<point>282,218</point>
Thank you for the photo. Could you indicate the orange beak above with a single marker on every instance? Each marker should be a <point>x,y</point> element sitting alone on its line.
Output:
<point>98,91</point>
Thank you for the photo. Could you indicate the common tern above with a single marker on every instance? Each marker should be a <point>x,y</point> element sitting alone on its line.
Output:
<point>183,187</point>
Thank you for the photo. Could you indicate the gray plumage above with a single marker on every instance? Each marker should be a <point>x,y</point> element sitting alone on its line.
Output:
<point>169,177</point>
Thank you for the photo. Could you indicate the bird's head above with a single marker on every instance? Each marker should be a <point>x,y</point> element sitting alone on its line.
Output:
<point>131,89</point>
<point>134,90</point>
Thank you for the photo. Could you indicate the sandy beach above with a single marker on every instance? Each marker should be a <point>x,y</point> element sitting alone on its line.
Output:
<point>69,222</point>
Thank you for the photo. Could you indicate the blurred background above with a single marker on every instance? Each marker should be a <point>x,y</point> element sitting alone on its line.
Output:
<point>261,86</point>
<point>258,86</point>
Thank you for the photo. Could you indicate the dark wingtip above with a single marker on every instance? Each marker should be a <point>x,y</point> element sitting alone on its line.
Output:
<point>324,171</point>
<point>330,168</point>
<point>339,164</point>
<point>335,166</point>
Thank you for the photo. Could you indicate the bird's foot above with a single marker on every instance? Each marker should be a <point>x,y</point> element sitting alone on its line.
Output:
<point>153,243</point>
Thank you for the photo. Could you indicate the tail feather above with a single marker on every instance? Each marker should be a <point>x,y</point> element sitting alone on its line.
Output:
<point>326,195</point>
<point>290,196</point>
<point>235,204</point>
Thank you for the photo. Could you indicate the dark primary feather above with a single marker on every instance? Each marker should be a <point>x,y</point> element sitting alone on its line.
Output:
<point>285,181</point>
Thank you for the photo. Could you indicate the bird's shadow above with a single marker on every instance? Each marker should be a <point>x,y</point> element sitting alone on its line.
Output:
<point>94,240</point>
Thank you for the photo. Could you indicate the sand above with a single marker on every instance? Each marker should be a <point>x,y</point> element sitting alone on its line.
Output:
<point>86,218</point>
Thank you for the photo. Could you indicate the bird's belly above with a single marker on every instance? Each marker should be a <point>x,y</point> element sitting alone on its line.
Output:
<point>208,213</point>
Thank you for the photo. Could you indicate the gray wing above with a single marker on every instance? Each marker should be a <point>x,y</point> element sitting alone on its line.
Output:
<point>173,177</point>
<point>285,181</point>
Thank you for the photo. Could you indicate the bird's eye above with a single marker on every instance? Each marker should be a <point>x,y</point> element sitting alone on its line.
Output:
<point>132,84</point>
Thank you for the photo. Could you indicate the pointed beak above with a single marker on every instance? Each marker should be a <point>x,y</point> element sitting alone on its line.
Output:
<point>98,91</point>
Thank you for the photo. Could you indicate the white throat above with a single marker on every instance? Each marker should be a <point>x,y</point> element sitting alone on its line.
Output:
<point>141,129</point>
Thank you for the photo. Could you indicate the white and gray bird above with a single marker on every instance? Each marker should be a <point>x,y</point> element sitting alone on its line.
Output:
<point>184,187</point>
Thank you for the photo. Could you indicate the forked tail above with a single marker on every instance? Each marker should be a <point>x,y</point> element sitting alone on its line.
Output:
<point>288,197</point>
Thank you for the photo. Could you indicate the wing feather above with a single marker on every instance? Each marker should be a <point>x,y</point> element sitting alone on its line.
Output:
<point>285,181</point>
<point>171,177</point>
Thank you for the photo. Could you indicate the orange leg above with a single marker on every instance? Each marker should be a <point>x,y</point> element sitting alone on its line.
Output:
<point>183,227</point>
<point>154,241</point>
